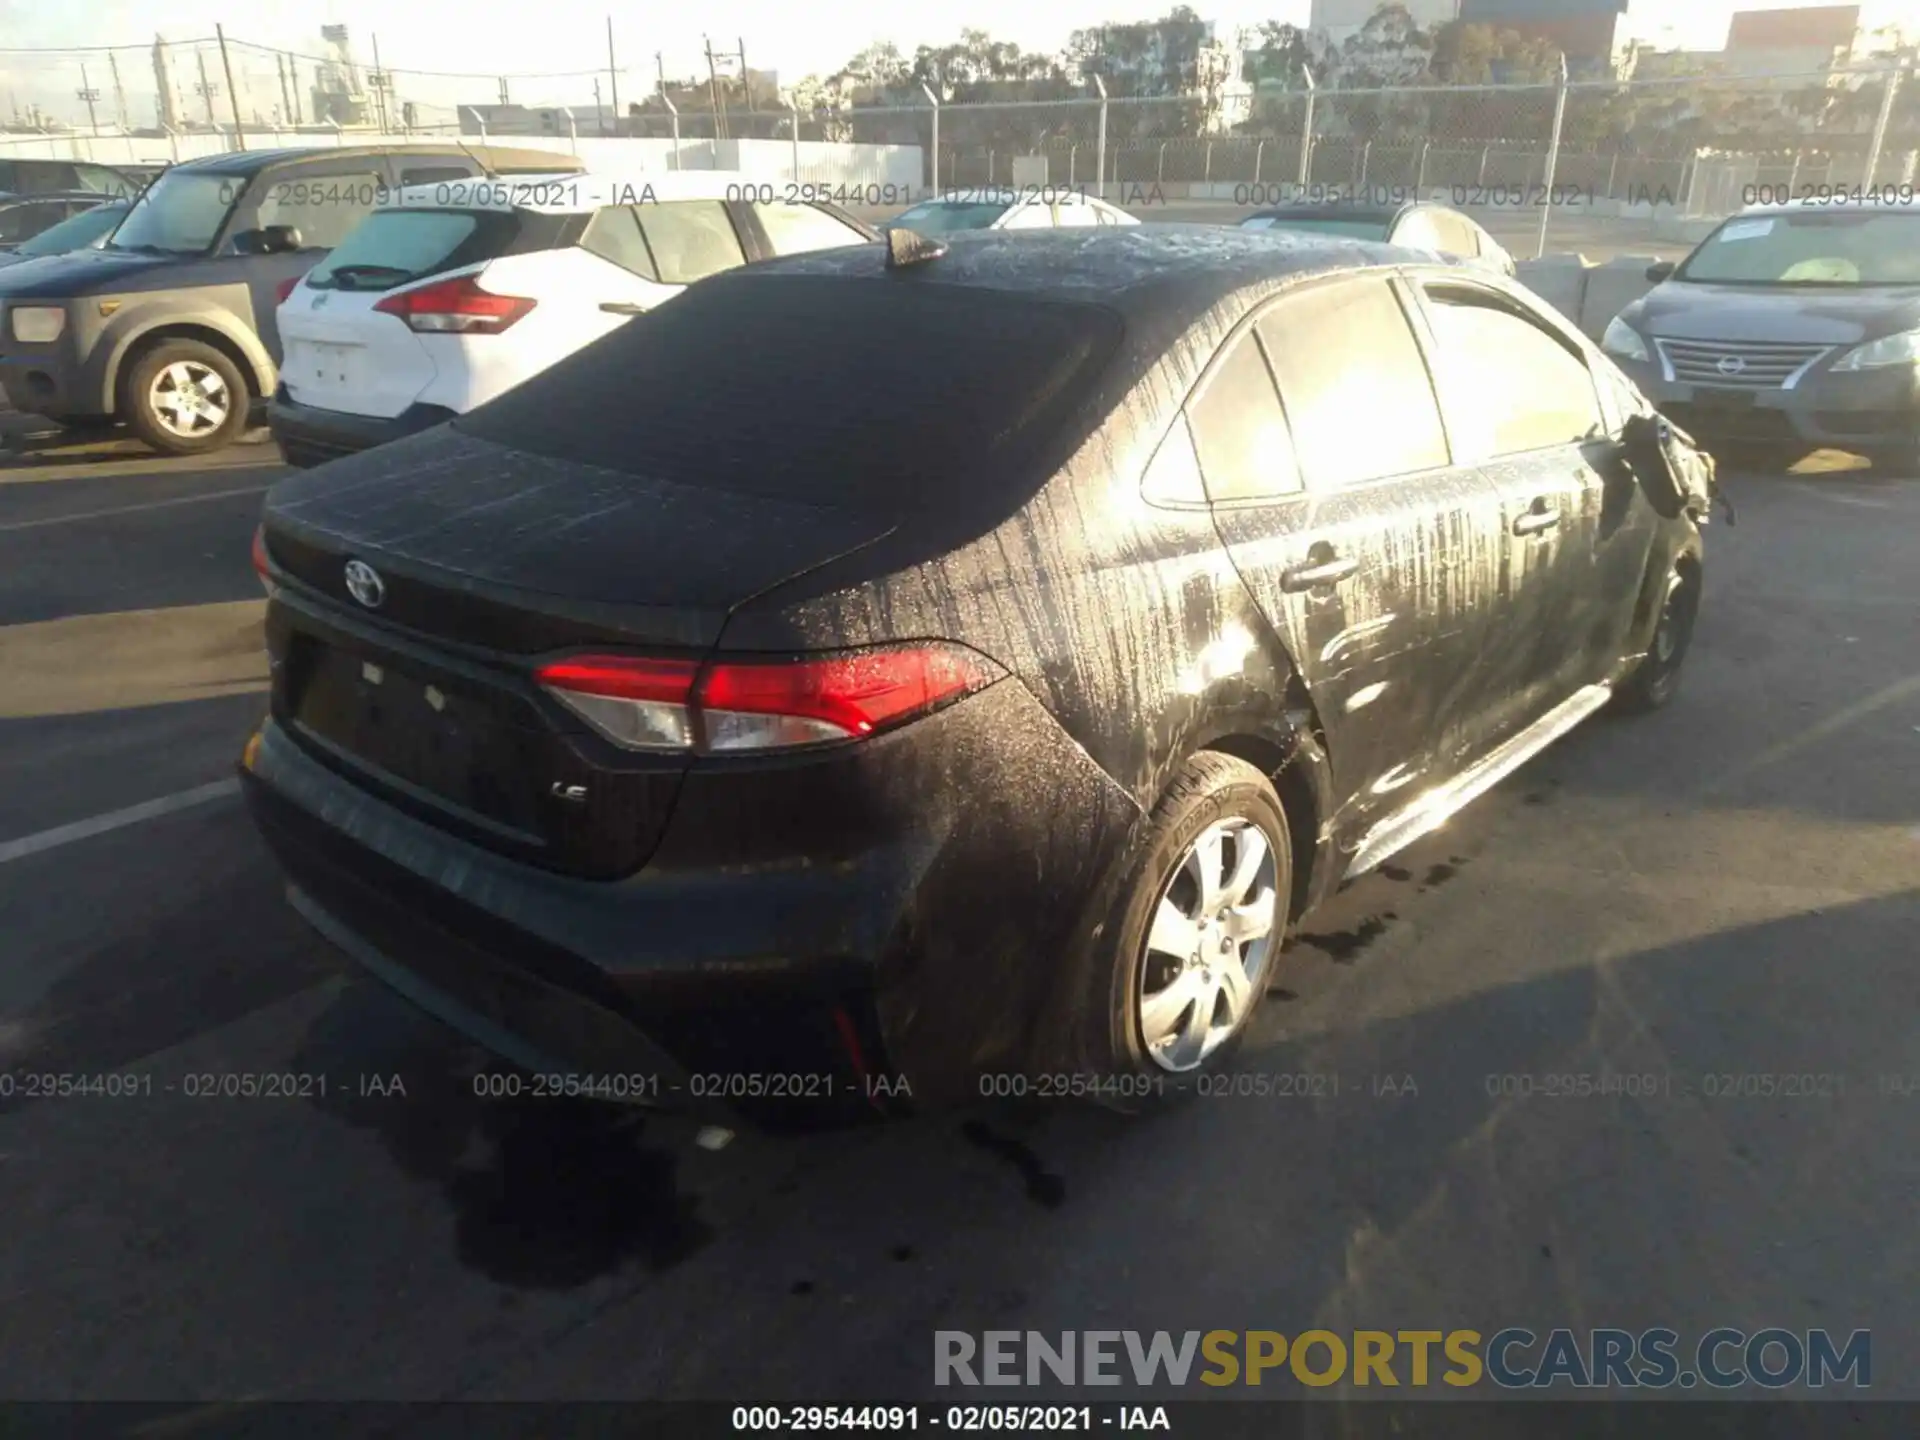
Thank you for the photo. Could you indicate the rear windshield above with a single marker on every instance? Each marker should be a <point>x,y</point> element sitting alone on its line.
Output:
<point>1353,229</point>
<point>944,217</point>
<point>397,247</point>
<point>879,393</point>
<point>1834,248</point>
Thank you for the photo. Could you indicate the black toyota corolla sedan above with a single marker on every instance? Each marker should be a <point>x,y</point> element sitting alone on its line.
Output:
<point>911,665</point>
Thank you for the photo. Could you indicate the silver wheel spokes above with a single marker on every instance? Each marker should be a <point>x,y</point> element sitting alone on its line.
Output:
<point>1207,947</point>
<point>190,399</point>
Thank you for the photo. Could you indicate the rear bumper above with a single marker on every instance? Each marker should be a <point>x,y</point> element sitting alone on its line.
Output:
<point>1844,412</point>
<point>309,436</point>
<point>936,948</point>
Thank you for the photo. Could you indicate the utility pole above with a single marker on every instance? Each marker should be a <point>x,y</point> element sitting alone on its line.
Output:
<point>207,89</point>
<point>713,91</point>
<point>613,81</point>
<point>286,94</point>
<point>119,92</point>
<point>87,93</point>
<point>746,90</point>
<point>596,106</point>
<point>378,80</point>
<point>233,95</point>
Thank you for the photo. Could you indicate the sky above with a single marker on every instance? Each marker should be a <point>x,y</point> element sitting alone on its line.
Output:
<point>796,39</point>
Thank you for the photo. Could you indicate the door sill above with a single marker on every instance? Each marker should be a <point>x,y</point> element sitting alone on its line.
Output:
<point>1436,807</point>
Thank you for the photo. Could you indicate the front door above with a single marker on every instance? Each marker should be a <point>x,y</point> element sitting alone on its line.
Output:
<point>1364,546</point>
<point>1521,400</point>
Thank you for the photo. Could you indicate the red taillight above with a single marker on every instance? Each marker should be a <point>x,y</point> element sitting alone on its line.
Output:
<point>457,306</point>
<point>761,705</point>
<point>286,288</point>
<point>261,565</point>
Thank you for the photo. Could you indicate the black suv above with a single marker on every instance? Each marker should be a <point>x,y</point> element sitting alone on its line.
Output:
<point>169,327</point>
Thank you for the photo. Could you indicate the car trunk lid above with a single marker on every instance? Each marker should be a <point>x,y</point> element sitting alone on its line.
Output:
<point>488,561</point>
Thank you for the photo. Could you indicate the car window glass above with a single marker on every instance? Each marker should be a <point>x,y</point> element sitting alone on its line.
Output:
<point>102,181</point>
<point>1240,430</point>
<point>1173,475</point>
<point>1357,392</point>
<point>1511,386</point>
<point>323,208</point>
<point>23,222</point>
<point>690,239</point>
<point>614,235</point>
<point>796,229</point>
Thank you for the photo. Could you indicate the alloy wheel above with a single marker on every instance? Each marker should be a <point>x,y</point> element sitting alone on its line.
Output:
<point>1208,944</point>
<point>190,399</point>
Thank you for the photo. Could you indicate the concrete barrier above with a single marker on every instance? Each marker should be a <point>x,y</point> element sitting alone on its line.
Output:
<point>1560,280</point>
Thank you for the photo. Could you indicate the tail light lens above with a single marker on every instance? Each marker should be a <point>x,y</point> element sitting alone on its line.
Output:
<point>286,288</point>
<point>457,306</point>
<point>261,566</point>
<point>734,707</point>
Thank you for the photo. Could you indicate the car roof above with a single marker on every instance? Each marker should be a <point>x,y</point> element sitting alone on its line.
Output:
<point>252,162</point>
<point>1822,207</point>
<point>1159,273</point>
<point>1307,209</point>
<point>582,192</point>
<point>9,197</point>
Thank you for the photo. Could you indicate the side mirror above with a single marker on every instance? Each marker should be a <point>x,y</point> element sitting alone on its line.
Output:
<point>268,240</point>
<point>1661,271</point>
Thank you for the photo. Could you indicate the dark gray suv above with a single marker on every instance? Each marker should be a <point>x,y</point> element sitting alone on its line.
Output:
<point>169,327</point>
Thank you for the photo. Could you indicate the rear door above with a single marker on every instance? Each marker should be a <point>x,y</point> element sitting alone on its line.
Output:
<point>1366,548</point>
<point>1523,404</point>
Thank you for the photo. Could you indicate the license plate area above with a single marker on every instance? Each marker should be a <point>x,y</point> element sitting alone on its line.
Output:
<point>443,740</point>
<point>316,362</point>
<point>1724,401</point>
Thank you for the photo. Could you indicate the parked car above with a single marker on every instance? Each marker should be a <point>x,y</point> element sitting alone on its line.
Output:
<point>435,304</point>
<point>84,225</point>
<point>1789,329</point>
<point>1032,208</point>
<point>1419,226</point>
<point>169,325</point>
<point>24,216</point>
<point>36,175</point>
<point>955,666</point>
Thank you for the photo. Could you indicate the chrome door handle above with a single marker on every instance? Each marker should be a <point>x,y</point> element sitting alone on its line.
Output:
<point>1535,522</point>
<point>1312,577</point>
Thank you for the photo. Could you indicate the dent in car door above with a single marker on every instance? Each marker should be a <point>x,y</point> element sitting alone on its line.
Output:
<point>1521,401</point>
<point>1366,558</point>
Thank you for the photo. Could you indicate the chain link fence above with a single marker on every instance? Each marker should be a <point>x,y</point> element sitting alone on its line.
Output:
<point>1680,149</point>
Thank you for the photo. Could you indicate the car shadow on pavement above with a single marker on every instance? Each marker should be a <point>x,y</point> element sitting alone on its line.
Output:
<point>1429,1172</point>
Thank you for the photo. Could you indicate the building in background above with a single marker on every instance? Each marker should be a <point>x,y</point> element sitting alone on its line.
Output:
<point>1592,34</point>
<point>1338,21</point>
<point>339,98</point>
<point>1814,40</point>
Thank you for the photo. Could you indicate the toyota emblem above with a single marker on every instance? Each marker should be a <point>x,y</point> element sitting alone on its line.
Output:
<point>365,585</point>
<point>1731,365</point>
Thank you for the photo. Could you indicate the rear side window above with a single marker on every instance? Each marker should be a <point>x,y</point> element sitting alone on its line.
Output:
<point>103,181</point>
<point>38,177</point>
<point>1240,430</point>
<point>796,229</point>
<point>323,208</point>
<point>1356,388</point>
<point>690,239</point>
<point>397,247</point>
<point>23,222</point>
<point>864,393</point>
<point>1511,387</point>
<point>614,235</point>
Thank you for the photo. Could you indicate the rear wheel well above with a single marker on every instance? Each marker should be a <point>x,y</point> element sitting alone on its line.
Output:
<point>160,335</point>
<point>1290,782</point>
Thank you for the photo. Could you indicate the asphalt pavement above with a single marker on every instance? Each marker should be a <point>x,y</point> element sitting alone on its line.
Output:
<point>1724,890</point>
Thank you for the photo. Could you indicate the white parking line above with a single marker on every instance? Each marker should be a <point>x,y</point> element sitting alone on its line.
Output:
<point>131,509</point>
<point>116,819</point>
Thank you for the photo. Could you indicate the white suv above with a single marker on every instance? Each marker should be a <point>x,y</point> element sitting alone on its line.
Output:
<point>451,293</point>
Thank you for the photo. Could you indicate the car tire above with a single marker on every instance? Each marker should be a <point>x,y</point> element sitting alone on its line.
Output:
<point>1656,678</point>
<point>1142,1046</point>
<point>183,397</point>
